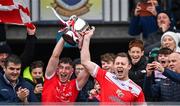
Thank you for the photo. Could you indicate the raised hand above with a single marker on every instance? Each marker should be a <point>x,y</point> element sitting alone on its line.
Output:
<point>38,89</point>
<point>31,29</point>
<point>137,9</point>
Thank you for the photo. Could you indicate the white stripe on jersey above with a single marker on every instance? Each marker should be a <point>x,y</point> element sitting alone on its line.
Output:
<point>125,85</point>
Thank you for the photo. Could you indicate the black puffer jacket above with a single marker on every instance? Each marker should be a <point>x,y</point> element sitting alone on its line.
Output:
<point>137,71</point>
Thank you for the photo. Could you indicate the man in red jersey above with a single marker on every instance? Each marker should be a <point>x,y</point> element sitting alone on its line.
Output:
<point>115,88</point>
<point>57,86</point>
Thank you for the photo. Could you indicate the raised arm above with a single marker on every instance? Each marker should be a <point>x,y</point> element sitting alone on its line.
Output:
<point>84,75</point>
<point>29,49</point>
<point>85,53</point>
<point>54,59</point>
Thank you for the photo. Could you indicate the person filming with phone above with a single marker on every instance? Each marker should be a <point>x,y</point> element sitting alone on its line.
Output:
<point>36,77</point>
<point>166,90</point>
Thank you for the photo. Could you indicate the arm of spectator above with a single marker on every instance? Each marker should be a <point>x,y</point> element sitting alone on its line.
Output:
<point>150,90</point>
<point>137,9</point>
<point>29,48</point>
<point>54,59</point>
<point>85,52</point>
<point>134,28</point>
<point>171,75</point>
<point>2,32</point>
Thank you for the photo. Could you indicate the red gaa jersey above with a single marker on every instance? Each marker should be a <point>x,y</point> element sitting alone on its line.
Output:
<point>115,90</point>
<point>55,91</point>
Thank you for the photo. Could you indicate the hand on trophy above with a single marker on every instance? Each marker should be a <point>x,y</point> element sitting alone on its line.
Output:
<point>74,31</point>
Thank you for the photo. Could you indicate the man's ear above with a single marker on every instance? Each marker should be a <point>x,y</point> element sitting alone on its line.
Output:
<point>4,69</point>
<point>142,53</point>
<point>129,52</point>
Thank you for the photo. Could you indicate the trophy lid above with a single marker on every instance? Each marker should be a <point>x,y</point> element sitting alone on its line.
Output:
<point>80,25</point>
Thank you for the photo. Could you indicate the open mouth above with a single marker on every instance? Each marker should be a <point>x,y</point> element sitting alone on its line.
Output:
<point>163,62</point>
<point>120,71</point>
<point>63,75</point>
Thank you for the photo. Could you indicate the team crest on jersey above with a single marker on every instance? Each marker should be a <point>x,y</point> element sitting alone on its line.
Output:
<point>119,93</point>
<point>71,7</point>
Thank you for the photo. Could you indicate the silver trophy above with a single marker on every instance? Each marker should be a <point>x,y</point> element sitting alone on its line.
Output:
<point>73,29</point>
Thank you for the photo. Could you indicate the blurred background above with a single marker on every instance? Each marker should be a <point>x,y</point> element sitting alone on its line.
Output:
<point>110,17</point>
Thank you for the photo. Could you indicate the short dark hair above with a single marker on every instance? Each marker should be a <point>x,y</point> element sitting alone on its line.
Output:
<point>36,64</point>
<point>123,54</point>
<point>13,59</point>
<point>66,60</point>
<point>165,50</point>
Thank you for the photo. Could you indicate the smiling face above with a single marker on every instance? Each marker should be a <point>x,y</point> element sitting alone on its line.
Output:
<point>122,67</point>
<point>64,72</point>
<point>168,42</point>
<point>12,71</point>
<point>135,54</point>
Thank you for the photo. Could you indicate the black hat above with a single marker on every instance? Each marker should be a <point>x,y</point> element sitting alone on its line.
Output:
<point>165,12</point>
<point>4,48</point>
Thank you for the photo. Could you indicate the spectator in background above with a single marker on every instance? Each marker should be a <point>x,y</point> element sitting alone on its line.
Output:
<point>144,20</point>
<point>57,86</point>
<point>138,60</point>
<point>162,58</point>
<point>15,89</point>
<point>83,94</point>
<point>115,88</point>
<point>94,94</point>
<point>34,75</point>
<point>27,54</point>
<point>171,73</point>
<point>107,60</point>
<point>171,40</point>
<point>154,39</point>
<point>166,90</point>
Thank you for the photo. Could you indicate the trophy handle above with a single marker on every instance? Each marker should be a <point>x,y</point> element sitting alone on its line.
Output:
<point>57,15</point>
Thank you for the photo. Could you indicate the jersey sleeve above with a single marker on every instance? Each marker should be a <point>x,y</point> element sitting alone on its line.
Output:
<point>100,75</point>
<point>140,98</point>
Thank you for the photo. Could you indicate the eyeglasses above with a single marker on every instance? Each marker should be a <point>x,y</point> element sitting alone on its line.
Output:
<point>79,68</point>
